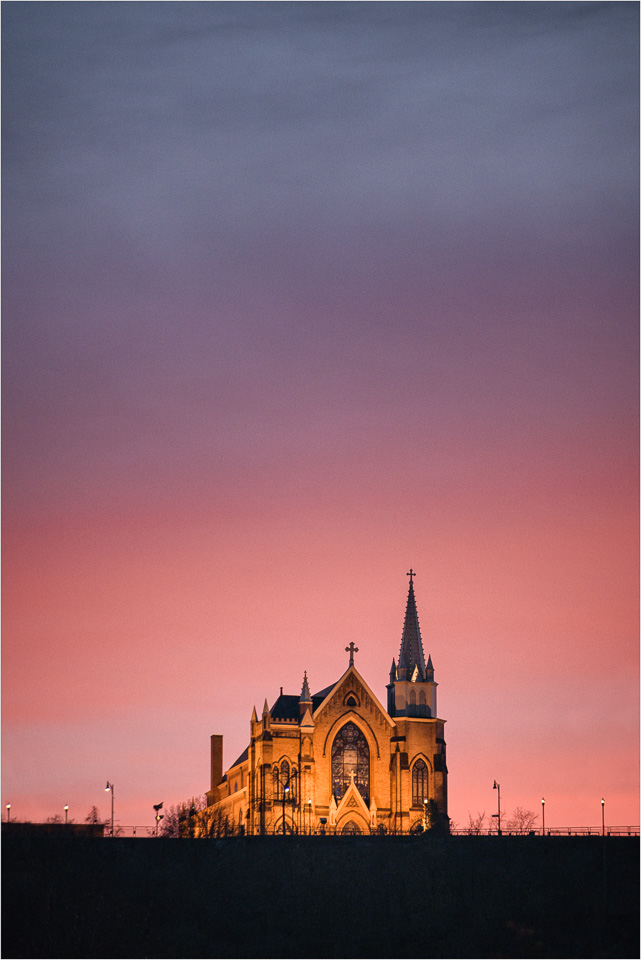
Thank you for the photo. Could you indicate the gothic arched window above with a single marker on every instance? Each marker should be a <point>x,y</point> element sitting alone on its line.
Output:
<point>276,783</point>
<point>288,779</point>
<point>412,709</point>
<point>419,782</point>
<point>422,704</point>
<point>350,755</point>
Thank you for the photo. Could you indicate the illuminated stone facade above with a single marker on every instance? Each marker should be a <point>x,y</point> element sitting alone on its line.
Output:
<point>337,761</point>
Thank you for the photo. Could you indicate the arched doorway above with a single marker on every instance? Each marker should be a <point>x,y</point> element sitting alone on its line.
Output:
<point>351,829</point>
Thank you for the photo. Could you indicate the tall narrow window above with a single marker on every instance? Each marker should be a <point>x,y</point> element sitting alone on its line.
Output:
<point>419,782</point>
<point>292,785</point>
<point>422,704</point>
<point>350,755</point>
<point>412,709</point>
<point>276,783</point>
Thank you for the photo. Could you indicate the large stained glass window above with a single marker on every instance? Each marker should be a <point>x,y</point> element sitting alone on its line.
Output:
<point>350,754</point>
<point>419,782</point>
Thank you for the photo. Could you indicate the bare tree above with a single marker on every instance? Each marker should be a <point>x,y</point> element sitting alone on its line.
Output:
<point>521,821</point>
<point>93,816</point>
<point>193,819</point>
<point>55,819</point>
<point>475,825</point>
<point>170,826</point>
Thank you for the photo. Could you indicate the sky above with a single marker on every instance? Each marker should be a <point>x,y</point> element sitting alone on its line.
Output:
<point>297,296</point>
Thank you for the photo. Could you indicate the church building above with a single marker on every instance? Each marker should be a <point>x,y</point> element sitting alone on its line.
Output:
<point>338,761</point>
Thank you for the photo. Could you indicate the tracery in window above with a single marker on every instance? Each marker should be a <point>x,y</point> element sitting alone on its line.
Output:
<point>284,780</point>
<point>419,782</point>
<point>350,755</point>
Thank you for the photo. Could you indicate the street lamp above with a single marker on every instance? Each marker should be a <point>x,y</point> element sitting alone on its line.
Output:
<point>602,817</point>
<point>109,787</point>
<point>159,815</point>
<point>543,813</point>
<point>425,815</point>
<point>66,813</point>
<point>309,814</point>
<point>8,812</point>
<point>497,786</point>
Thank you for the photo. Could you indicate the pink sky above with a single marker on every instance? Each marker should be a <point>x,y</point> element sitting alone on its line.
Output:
<point>293,301</point>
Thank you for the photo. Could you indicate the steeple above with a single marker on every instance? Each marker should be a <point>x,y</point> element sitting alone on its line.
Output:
<point>411,691</point>
<point>411,654</point>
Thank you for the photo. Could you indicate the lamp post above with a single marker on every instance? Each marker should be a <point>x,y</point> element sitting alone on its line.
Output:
<point>497,786</point>
<point>109,787</point>
<point>425,815</point>
<point>309,814</point>
<point>8,812</point>
<point>66,813</point>
<point>159,815</point>
<point>543,813</point>
<point>285,799</point>
<point>602,817</point>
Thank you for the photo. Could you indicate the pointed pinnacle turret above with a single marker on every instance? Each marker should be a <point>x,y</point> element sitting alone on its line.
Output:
<point>305,701</point>
<point>265,708</point>
<point>254,716</point>
<point>305,696</point>
<point>411,654</point>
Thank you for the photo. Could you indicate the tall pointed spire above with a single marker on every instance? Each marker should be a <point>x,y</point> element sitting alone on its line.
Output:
<point>411,654</point>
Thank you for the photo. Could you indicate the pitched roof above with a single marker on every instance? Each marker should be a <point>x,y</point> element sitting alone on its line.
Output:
<point>241,758</point>
<point>287,705</point>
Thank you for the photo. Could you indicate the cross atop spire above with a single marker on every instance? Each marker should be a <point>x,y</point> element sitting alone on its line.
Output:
<point>411,654</point>
<point>351,649</point>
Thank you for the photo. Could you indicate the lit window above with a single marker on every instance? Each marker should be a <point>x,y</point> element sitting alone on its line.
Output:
<point>350,754</point>
<point>419,782</point>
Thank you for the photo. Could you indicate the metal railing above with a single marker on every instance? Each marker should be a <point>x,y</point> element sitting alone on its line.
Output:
<point>149,832</point>
<point>550,832</point>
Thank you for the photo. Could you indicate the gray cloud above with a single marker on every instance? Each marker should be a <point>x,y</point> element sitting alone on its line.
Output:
<point>168,118</point>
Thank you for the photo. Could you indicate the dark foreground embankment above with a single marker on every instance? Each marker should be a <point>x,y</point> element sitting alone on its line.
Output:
<point>321,897</point>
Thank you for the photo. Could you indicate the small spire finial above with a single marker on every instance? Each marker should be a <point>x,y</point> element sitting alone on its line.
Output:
<point>411,575</point>
<point>305,696</point>
<point>351,649</point>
